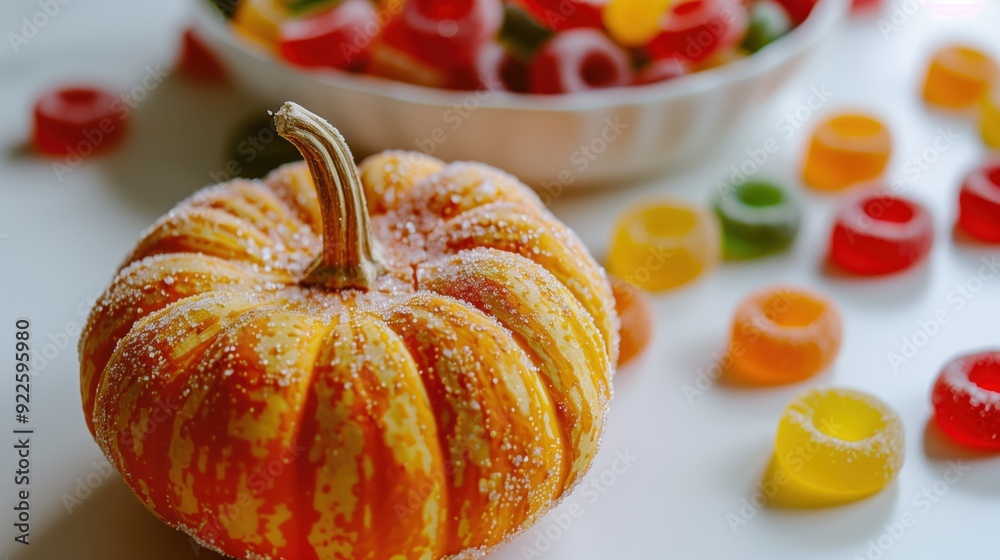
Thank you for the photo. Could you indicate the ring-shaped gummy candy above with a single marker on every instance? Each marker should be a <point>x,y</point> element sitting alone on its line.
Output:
<point>840,442</point>
<point>880,233</point>
<point>979,203</point>
<point>846,149</point>
<point>659,246</point>
<point>957,76</point>
<point>782,335</point>
<point>966,400</point>
<point>758,218</point>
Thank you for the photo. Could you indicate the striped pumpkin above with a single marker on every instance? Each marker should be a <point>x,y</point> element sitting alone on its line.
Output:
<point>410,360</point>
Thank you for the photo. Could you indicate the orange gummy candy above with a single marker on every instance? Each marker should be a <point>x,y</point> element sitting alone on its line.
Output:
<point>958,76</point>
<point>636,319</point>
<point>782,335</point>
<point>846,149</point>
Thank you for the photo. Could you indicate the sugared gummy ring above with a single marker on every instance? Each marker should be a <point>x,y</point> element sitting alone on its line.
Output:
<point>783,335</point>
<point>78,120</point>
<point>846,149</point>
<point>659,246</point>
<point>840,442</point>
<point>979,203</point>
<point>957,76</point>
<point>757,218</point>
<point>966,400</point>
<point>880,233</point>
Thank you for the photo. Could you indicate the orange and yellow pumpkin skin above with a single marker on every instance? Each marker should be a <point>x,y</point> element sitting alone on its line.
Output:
<point>434,415</point>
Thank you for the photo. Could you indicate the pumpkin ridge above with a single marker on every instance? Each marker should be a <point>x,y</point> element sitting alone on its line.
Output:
<point>250,200</point>
<point>170,235</point>
<point>451,276</point>
<point>130,286</point>
<point>458,317</point>
<point>301,531</point>
<point>455,237</point>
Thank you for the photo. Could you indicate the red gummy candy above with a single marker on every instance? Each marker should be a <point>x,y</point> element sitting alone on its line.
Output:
<point>579,60</point>
<point>78,120</point>
<point>979,203</point>
<point>698,29</point>
<point>445,33</point>
<point>492,69</point>
<point>339,38</point>
<point>966,400</point>
<point>798,10</point>
<point>880,233</point>
<point>198,62</point>
<point>565,14</point>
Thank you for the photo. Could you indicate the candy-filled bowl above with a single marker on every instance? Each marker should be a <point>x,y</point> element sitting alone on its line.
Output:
<point>553,142</point>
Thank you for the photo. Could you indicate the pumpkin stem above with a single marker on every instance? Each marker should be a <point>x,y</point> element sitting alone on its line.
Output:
<point>350,258</point>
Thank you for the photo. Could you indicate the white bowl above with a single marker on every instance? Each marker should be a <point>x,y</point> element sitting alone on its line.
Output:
<point>554,143</point>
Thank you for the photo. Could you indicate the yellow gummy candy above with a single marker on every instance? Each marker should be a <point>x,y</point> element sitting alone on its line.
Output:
<point>840,442</point>
<point>634,23</point>
<point>659,246</point>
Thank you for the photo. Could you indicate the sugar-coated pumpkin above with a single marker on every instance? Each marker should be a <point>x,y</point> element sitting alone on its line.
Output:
<point>410,360</point>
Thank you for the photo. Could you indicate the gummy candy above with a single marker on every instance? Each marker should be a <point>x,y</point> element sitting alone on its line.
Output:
<point>564,14</point>
<point>636,319</point>
<point>757,218</point>
<point>846,149</point>
<point>989,119</point>
<point>783,335</point>
<point>979,203</point>
<point>446,33</point>
<point>659,246</point>
<point>338,38</point>
<point>259,20</point>
<point>633,23</point>
<point>697,29</point>
<point>879,233</point>
<point>78,120</point>
<point>798,10</point>
<point>492,69</point>
<point>957,76</point>
<point>579,60</point>
<point>198,62</point>
<point>769,20</point>
<point>966,400</point>
<point>841,442</point>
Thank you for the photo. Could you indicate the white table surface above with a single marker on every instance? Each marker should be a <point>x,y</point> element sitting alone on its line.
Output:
<point>694,460</point>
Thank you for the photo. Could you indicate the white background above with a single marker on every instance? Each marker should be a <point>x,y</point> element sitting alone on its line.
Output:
<point>696,459</point>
